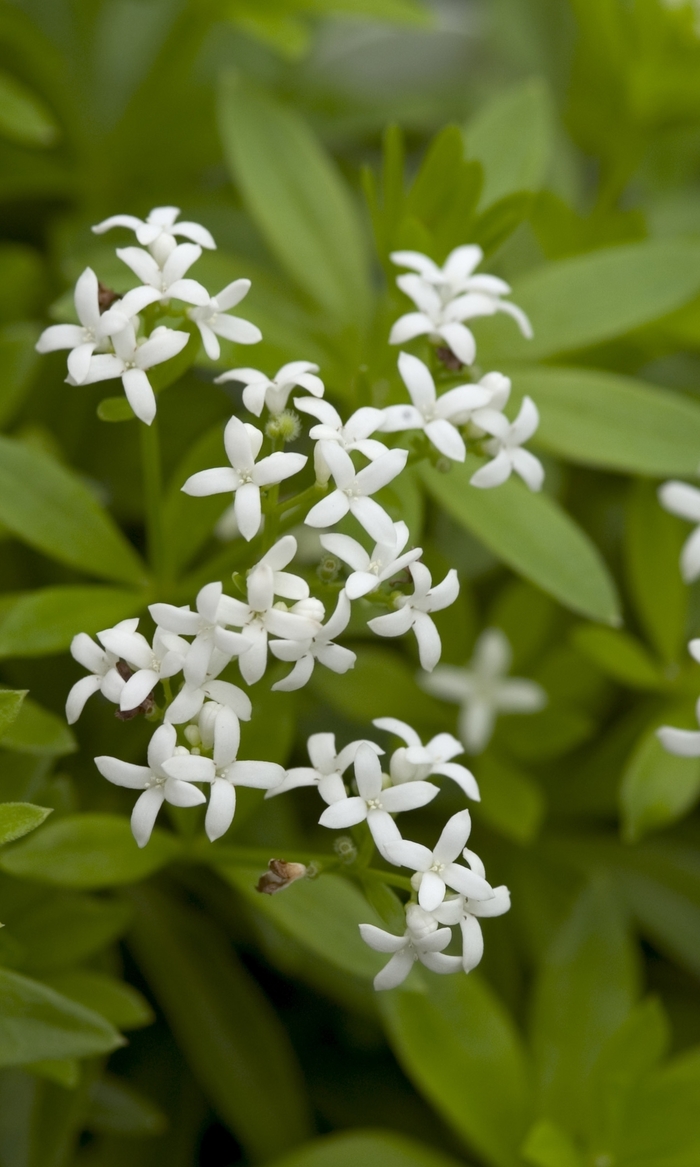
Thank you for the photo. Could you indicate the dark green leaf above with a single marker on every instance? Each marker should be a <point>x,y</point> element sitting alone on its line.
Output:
<point>10,705</point>
<point>116,1108</point>
<point>620,656</point>
<point>189,522</point>
<point>379,670</point>
<point>45,621</point>
<point>37,731</point>
<point>58,929</point>
<point>365,1149</point>
<point>116,1000</point>
<point>511,801</point>
<point>547,1145</point>
<point>115,409</point>
<point>36,1022</point>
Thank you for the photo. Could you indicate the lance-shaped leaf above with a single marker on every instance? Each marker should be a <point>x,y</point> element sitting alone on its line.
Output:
<point>45,621</point>
<point>35,730</point>
<point>36,1022</point>
<point>19,818</point>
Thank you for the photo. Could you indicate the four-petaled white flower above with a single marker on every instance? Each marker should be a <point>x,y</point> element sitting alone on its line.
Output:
<point>320,647</point>
<point>326,769</point>
<point>353,490</point>
<point>101,664</point>
<point>262,617</point>
<point>374,803</point>
<point>369,571</point>
<point>212,320</point>
<point>422,941</point>
<point>159,230</point>
<point>414,761</point>
<point>683,500</point>
<point>273,392</point>
<point>437,870</point>
<point>207,625</point>
<point>483,690</point>
<point>151,663</point>
<point>413,612</point>
<point>244,477</point>
<point>130,360</point>
<point>506,444</point>
<point>157,785</point>
<point>166,282</point>
<point>436,416</point>
<point>191,698</point>
<point>684,742</point>
<point>465,912</point>
<point>90,334</point>
<point>354,434</point>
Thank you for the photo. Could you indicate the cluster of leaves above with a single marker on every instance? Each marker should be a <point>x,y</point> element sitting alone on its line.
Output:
<point>576,1042</point>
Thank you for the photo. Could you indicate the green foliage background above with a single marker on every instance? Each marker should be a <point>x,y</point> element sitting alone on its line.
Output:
<point>564,137</point>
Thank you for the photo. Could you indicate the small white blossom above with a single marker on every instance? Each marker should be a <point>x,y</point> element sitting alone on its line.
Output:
<point>212,320</point>
<point>374,804</point>
<point>104,676</point>
<point>354,434</point>
<point>683,742</point>
<point>369,571</point>
<point>483,690</point>
<point>436,416</point>
<point>506,448</point>
<point>320,648</point>
<point>437,870</point>
<point>244,477</point>
<point>159,231</point>
<point>89,335</point>
<point>683,500</point>
<point>353,490</point>
<point>465,912</point>
<point>262,617</point>
<point>414,761</point>
<point>207,625</point>
<point>167,282</point>
<point>422,941</point>
<point>131,359</point>
<point>285,583</point>
<point>273,392</point>
<point>413,613</point>
<point>191,698</point>
<point>157,785</point>
<point>164,659</point>
<point>326,769</point>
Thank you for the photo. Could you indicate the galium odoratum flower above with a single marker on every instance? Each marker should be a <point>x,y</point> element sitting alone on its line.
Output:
<point>157,785</point>
<point>321,647</point>
<point>422,941</point>
<point>273,392</point>
<point>207,625</point>
<point>162,284</point>
<point>354,434</point>
<point>375,803</point>
<point>151,664</point>
<point>483,690</point>
<point>353,491</point>
<point>213,320</point>
<point>413,612</point>
<point>159,231</point>
<point>683,500</point>
<point>683,742</point>
<point>327,767</point>
<point>369,571</point>
<point>414,761</point>
<point>506,448</point>
<point>435,871</point>
<point>456,276</point>
<point>102,666</point>
<point>467,913</point>
<point>91,334</point>
<point>436,416</point>
<point>245,476</point>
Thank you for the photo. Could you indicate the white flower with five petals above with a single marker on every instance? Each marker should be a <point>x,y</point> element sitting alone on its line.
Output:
<point>151,664</point>
<point>422,941</point>
<point>207,625</point>
<point>413,612</point>
<point>435,871</point>
<point>467,913</point>
<point>683,500</point>
<point>262,617</point>
<point>353,491</point>
<point>273,392</point>
<point>414,761</point>
<point>163,283</point>
<point>369,571</point>
<point>436,416</point>
<point>505,445</point>
<point>354,434</point>
<point>213,320</point>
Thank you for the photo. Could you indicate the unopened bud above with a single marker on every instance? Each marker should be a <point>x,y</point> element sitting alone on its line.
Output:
<point>192,735</point>
<point>285,425</point>
<point>279,875</point>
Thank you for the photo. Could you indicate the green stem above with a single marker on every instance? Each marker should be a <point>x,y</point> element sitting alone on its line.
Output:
<point>151,472</point>
<point>401,881</point>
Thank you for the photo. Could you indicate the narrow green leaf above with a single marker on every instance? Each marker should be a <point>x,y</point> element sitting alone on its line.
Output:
<point>365,1149</point>
<point>88,851</point>
<point>663,1121</point>
<point>657,787</point>
<point>10,704</point>
<point>116,1000</point>
<point>629,1056</point>
<point>18,363</point>
<point>36,1023</point>
<point>620,656</point>
<point>512,138</point>
<point>547,1145</point>
<point>45,621</point>
<point>48,507</point>
<point>652,543</point>
<point>64,1071</point>
<point>37,731</point>
<point>297,198</point>
<point>24,118</point>
<point>116,1108</point>
<point>533,535</point>
<point>19,818</point>
<point>57,929</point>
<point>115,409</point>
<point>228,1032</point>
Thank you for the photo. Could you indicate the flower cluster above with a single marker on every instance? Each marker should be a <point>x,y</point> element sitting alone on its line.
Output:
<point>180,677</point>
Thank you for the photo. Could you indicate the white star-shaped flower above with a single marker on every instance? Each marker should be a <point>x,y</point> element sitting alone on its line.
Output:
<point>244,477</point>
<point>683,500</point>
<point>273,392</point>
<point>212,320</point>
<point>320,647</point>
<point>414,761</point>
<point>326,769</point>
<point>465,912</point>
<point>159,231</point>
<point>131,360</point>
<point>437,870</point>
<point>207,625</point>
<point>167,282</point>
<point>483,690</point>
<point>354,434</point>
<point>422,941</point>
<point>101,665</point>
<point>164,659</point>
<point>438,417</point>
<point>413,612</point>
<point>353,490</point>
<point>506,448</point>
<point>369,571</point>
<point>89,335</point>
<point>191,698</point>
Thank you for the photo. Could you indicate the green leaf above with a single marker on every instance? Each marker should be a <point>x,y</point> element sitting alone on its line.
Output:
<point>116,1108</point>
<point>365,1149</point>
<point>58,929</point>
<point>10,704</point>
<point>512,138</point>
<point>37,731</point>
<point>628,1057</point>
<point>64,1071</point>
<point>612,422</point>
<point>620,656</point>
<point>19,818</point>
<point>582,301</point>
<point>45,621</point>
<point>652,543</point>
<point>296,197</point>
<point>116,1000</point>
<point>547,1145</point>
<point>461,1049</point>
<point>511,801</point>
<point>23,282</point>
<point>663,1120</point>
<point>189,522</point>
<point>115,409</point>
<point>89,851</point>
<point>24,118</point>
<point>48,507</point>
<point>230,1035</point>
<point>533,535</point>
<point>657,787</point>
<point>18,364</point>
<point>37,1023</point>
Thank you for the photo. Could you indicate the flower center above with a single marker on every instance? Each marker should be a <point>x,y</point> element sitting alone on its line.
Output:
<point>438,868</point>
<point>374,804</point>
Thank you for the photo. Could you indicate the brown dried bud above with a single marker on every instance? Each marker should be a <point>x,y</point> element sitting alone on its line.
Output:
<point>105,297</point>
<point>448,358</point>
<point>279,875</point>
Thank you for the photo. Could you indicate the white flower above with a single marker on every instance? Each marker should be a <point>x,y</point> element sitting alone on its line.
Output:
<point>212,320</point>
<point>191,698</point>
<point>437,321</point>
<point>131,359</point>
<point>374,804</point>
<point>369,571</point>
<point>225,773</point>
<point>505,445</point>
<point>164,283</point>
<point>483,689</point>
<point>207,625</point>
<point>244,477</point>
<point>412,612</point>
<point>436,870</point>
<point>83,338</point>
<point>353,490</point>
<point>320,648</point>
<point>104,676</point>
<point>416,761</point>
<point>498,387</point>
<point>262,617</point>
<point>434,415</point>
<point>158,787</point>
<point>285,583</point>
<point>683,500</point>
<point>327,767</point>
<point>422,941</point>
<point>151,664</point>
<point>684,742</point>
<point>353,435</point>
<point>159,230</point>
<point>273,392</point>
<point>465,912</point>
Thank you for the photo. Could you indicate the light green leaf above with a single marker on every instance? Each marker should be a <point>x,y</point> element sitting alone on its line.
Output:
<point>657,787</point>
<point>652,544</point>
<point>460,1047</point>
<point>116,1108</point>
<point>533,535</point>
<point>511,801</point>
<point>582,301</point>
<point>24,118</point>
<point>88,851</point>
<point>18,363</point>
<point>48,507</point>
<point>663,1121</point>
<point>629,1056</point>
<point>116,1000</point>
<point>37,731</point>
<point>37,1023</point>
<point>297,198</point>
<point>189,522</point>
<point>115,409</point>
<point>10,704</point>
<point>19,818</point>
<point>620,656</point>
<point>547,1145</point>
<point>45,621</point>
<point>64,1071</point>
<point>228,1032</point>
<point>612,422</point>
<point>511,137</point>
<point>365,1149</point>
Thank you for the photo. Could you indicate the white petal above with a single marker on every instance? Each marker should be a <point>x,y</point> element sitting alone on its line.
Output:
<point>123,773</point>
<point>372,516</point>
<point>446,439</point>
<point>529,468</point>
<point>247,509</point>
<point>144,814</point>
<point>347,812</point>
<point>139,394</point>
<point>368,772</point>
<point>380,940</point>
<point>137,688</point>
<point>142,264</point>
<point>494,473</point>
<point>467,882</point>
<point>394,623</point>
<point>690,557</point>
<point>681,499</point>
<point>412,855</point>
<point>395,971</point>
<point>347,549</point>
<point>440,962</point>
<point>432,891</point>
<point>683,742</point>
<point>218,480</point>
<point>329,510</point>
<point>60,336</point>
<point>417,379</point>
<point>408,796</point>
<point>401,417</point>
<point>462,776</point>
<point>383,829</point>
<point>278,466</point>
<point>299,676</point>
<point>428,638</point>
<point>454,837</point>
<point>221,809</point>
<point>409,326</point>
<point>78,695</point>
<point>460,340</point>
<point>400,728</point>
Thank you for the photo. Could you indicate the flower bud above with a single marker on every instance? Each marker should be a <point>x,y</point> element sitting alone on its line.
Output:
<point>285,425</point>
<point>279,875</point>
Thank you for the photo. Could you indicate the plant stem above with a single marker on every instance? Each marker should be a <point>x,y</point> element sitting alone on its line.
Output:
<point>151,472</point>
